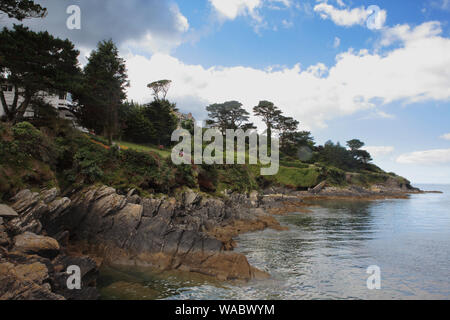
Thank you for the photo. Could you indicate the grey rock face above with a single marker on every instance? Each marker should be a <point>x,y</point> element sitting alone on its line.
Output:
<point>101,218</point>
<point>32,266</point>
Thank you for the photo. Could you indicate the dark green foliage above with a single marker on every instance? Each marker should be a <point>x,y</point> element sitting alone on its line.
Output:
<point>228,115</point>
<point>102,90</point>
<point>161,114</point>
<point>135,124</point>
<point>352,160</point>
<point>22,9</point>
<point>186,175</point>
<point>359,155</point>
<point>35,62</point>
<point>236,178</point>
<point>270,115</point>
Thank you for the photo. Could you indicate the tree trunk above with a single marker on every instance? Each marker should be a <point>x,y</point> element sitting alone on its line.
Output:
<point>5,105</point>
<point>18,116</point>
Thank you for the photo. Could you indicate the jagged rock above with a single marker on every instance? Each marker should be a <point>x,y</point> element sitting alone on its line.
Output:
<point>161,232</point>
<point>49,195</point>
<point>131,193</point>
<point>31,243</point>
<point>7,212</point>
<point>25,282</point>
<point>63,238</point>
<point>135,199</point>
<point>190,197</point>
<point>4,239</point>
<point>25,200</point>
<point>56,207</point>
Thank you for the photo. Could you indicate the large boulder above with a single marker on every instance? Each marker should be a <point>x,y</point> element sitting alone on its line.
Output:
<point>30,243</point>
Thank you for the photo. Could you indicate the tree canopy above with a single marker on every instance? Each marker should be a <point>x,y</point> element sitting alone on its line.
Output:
<point>269,113</point>
<point>102,90</point>
<point>34,62</point>
<point>228,115</point>
<point>160,87</point>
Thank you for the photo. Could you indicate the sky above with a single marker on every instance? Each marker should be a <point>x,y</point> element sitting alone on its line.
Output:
<point>375,70</point>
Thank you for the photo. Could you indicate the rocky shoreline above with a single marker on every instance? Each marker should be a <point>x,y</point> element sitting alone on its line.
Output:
<point>42,234</point>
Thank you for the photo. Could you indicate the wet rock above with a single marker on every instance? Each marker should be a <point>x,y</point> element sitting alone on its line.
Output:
<point>31,243</point>
<point>7,212</point>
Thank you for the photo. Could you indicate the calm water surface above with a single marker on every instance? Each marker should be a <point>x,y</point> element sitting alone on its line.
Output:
<point>325,255</point>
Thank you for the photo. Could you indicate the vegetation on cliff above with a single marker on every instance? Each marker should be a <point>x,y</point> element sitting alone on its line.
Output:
<point>58,155</point>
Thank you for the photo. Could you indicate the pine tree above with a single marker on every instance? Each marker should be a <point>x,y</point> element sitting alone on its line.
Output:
<point>103,90</point>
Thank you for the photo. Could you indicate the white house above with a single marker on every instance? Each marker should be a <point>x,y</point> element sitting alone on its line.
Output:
<point>62,102</point>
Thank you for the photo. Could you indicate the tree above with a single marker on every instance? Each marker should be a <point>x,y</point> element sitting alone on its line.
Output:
<point>270,115</point>
<point>362,156</point>
<point>355,144</point>
<point>102,90</point>
<point>228,115</point>
<point>22,9</point>
<point>160,87</point>
<point>287,127</point>
<point>34,62</point>
<point>161,113</point>
<point>336,155</point>
<point>296,141</point>
<point>135,126</point>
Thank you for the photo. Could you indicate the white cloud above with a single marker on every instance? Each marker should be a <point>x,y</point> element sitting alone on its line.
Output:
<point>349,17</point>
<point>379,151</point>
<point>446,136</point>
<point>231,9</point>
<point>429,157</point>
<point>419,70</point>
<point>337,42</point>
<point>404,33</point>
